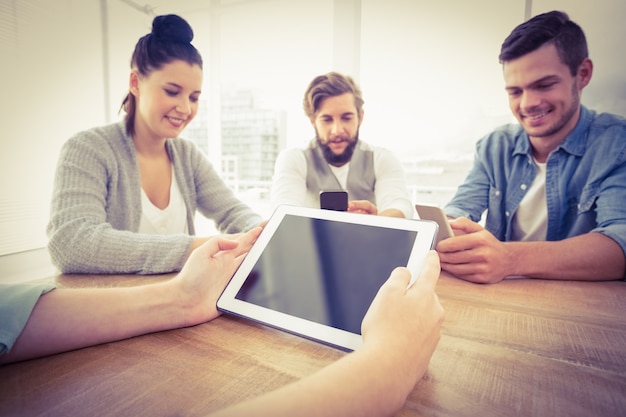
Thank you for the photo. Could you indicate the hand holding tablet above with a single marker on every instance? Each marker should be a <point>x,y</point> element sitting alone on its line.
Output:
<point>315,272</point>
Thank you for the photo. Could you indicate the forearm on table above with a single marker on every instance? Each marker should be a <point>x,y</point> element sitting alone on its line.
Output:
<point>395,203</point>
<point>67,319</point>
<point>364,383</point>
<point>117,251</point>
<point>589,257</point>
<point>392,193</point>
<point>392,212</point>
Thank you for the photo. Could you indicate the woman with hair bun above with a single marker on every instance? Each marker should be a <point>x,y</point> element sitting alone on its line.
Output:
<point>125,194</point>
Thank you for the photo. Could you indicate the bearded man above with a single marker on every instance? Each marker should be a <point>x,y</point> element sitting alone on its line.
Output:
<point>337,160</point>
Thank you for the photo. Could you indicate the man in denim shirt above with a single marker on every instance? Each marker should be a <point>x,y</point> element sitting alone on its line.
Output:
<point>554,186</point>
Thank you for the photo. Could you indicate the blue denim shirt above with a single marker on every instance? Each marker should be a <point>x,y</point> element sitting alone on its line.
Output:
<point>585,180</point>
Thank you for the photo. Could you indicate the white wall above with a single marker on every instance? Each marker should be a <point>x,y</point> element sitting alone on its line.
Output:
<point>51,87</point>
<point>430,73</point>
<point>603,23</point>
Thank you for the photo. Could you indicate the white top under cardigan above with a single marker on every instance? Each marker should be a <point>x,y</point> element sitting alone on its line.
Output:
<point>167,221</point>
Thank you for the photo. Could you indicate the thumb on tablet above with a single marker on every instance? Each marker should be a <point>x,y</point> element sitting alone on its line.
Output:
<point>429,275</point>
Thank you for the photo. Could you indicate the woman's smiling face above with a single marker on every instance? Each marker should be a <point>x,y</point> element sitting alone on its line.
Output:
<point>167,99</point>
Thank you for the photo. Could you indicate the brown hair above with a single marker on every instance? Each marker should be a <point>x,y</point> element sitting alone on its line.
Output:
<point>330,85</point>
<point>552,27</point>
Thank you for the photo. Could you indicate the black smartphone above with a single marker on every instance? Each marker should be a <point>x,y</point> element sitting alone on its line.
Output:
<point>334,200</point>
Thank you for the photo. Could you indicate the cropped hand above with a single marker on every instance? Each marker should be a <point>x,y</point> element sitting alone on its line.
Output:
<point>362,207</point>
<point>208,270</point>
<point>474,254</point>
<point>407,322</point>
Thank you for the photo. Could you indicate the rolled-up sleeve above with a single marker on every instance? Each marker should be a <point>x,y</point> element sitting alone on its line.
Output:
<point>17,302</point>
<point>611,211</point>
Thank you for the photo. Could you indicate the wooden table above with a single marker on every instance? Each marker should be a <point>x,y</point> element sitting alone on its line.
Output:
<point>516,348</point>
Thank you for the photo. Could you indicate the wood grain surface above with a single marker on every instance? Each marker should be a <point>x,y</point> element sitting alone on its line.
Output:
<point>516,348</point>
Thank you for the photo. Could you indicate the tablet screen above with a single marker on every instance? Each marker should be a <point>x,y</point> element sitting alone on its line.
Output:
<point>325,271</point>
<point>315,272</point>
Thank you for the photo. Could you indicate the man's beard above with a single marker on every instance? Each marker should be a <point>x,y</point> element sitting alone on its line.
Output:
<point>342,158</point>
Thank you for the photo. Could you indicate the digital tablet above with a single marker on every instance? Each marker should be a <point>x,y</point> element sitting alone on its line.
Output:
<point>314,272</point>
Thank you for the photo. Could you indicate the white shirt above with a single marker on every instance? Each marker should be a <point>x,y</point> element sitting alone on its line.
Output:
<point>530,222</point>
<point>290,172</point>
<point>169,221</point>
<point>341,173</point>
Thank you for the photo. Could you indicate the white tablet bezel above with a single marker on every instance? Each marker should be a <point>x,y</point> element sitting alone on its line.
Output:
<point>345,340</point>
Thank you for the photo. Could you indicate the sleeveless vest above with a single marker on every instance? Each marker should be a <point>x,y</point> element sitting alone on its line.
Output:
<point>361,177</point>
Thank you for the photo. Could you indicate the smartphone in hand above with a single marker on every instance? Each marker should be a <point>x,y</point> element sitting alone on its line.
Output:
<point>436,214</point>
<point>334,200</point>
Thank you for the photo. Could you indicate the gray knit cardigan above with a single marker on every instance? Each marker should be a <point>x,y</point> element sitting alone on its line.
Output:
<point>96,206</point>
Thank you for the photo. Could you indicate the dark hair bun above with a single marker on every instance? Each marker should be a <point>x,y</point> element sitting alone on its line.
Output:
<point>172,28</point>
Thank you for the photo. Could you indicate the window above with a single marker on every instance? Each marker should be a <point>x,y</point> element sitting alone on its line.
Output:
<point>428,70</point>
